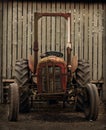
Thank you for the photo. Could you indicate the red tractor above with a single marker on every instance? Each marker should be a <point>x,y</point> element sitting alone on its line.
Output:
<point>53,80</point>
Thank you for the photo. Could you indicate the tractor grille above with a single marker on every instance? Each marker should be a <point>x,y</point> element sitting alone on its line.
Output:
<point>51,79</point>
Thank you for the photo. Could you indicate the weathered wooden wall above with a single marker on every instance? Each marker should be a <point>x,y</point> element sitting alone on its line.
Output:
<point>88,23</point>
<point>1,52</point>
<point>104,55</point>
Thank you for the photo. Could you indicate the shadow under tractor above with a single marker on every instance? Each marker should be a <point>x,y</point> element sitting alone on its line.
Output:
<point>53,80</point>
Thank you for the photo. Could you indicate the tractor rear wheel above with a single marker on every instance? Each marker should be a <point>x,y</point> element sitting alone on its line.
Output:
<point>81,78</point>
<point>22,79</point>
<point>83,73</point>
<point>13,102</point>
<point>80,102</point>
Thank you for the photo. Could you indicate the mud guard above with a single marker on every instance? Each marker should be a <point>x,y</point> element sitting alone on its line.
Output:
<point>31,63</point>
<point>74,64</point>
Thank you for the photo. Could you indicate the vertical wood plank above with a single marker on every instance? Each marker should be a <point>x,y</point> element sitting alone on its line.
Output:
<point>48,32</point>
<point>76,28</point>
<point>58,28</point>
<point>29,28</point>
<point>67,4</point>
<point>74,13</point>
<point>39,6</point>
<point>1,41</point>
<point>34,9</point>
<point>104,52</point>
<point>14,36</point>
<point>20,32</point>
<point>4,37</point>
<point>81,37</point>
<point>9,66</point>
<point>53,26</point>
<point>24,29</point>
<point>100,42</point>
<point>86,32</point>
<point>63,34</point>
<point>44,27</point>
<point>72,27</point>
<point>90,38</point>
<point>95,44</point>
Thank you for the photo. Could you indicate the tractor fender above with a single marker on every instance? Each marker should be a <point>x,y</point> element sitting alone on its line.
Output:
<point>74,64</point>
<point>31,63</point>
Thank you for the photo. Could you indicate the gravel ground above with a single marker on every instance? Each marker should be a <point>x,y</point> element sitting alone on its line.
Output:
<point>52,120</point>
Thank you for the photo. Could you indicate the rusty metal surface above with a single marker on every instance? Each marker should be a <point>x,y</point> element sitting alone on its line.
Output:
<point>65,15</point>
<point>69,56</point>
<point>74,63</point>
<point>51,71</point>
<point>35,55</point>
<point>37,16</point>
<point>31,63</point>
<point>51,94</point>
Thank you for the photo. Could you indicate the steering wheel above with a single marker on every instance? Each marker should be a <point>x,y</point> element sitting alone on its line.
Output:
<point>54,53</point>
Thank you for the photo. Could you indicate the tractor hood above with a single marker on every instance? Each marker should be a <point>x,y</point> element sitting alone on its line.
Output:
<point>51,75</point>
<point>53,59</point>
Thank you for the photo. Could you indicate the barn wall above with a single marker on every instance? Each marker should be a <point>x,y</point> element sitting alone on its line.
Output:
<point>104,55</point>
<point>1,52</point>
<point>87,33</point>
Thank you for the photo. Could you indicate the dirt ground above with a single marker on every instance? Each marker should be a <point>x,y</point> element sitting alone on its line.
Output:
<point>52,120</point>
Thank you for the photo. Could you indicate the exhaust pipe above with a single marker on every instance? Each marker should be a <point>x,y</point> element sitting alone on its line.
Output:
<point>68,46</point>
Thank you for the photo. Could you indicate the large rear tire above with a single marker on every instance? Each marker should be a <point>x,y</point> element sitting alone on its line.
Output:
<point>22,79</point>
<point>81,78</point>
<point>83,73</point>
<point>13,102</point>
<point>80,102</point>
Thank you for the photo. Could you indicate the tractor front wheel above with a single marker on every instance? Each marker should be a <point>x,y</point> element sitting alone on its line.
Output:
<point>91,100</point>
<point>13,102</point>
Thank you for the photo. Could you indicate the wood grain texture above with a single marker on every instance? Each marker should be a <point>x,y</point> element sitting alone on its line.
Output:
<point>44,28</point>
<point>53,28</point>
<point>95,43</point>
<point>57,44</point>
<point>67,10</point>
<point>86,15</point>
<point>39,7</point>
<point>15,44</point>
<point>72,27</point>
<point>1,41</point>
<point>104,51</point>
<point>9,47</point>
<point>49,30</point>
<point>4,38</point>
<point>100,46</point>
<point>24,44</point>
<point>20,32</point>
<point>76,28</point>
<point>34,9</point>
<point>63,33</point>
<point>29,29</point>
<point>81,31</point>
<point>90,38</point>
